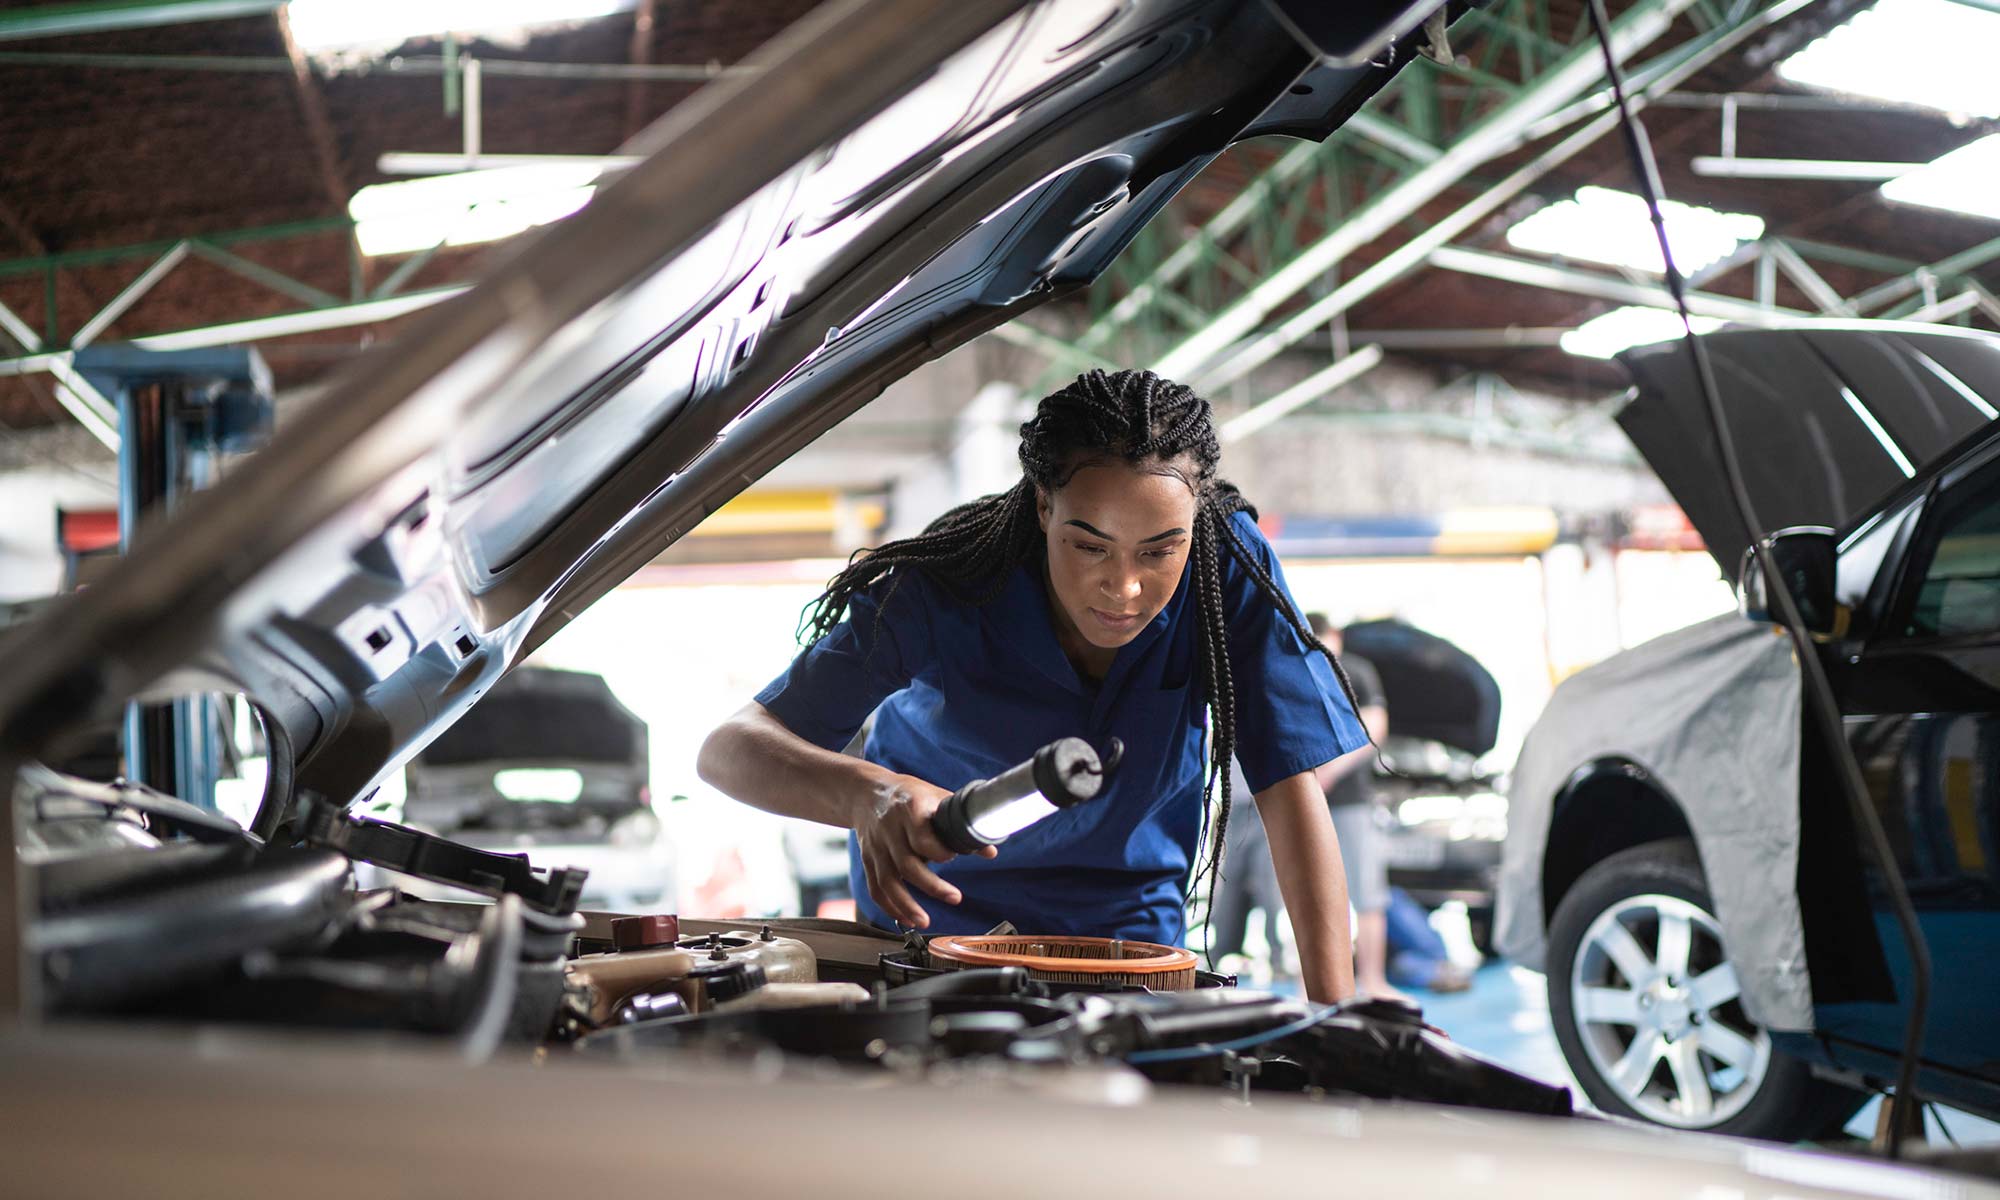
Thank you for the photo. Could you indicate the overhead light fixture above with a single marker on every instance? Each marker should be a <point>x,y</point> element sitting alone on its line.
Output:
<point>1624,328</point>
<point>468,207</point>
<point>1967,180</point>
<point>332,24</point>
<point>1615,228</point>
<point>1935,53</point>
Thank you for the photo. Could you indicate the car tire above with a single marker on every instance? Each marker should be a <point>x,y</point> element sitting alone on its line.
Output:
<point>1648,1013</point>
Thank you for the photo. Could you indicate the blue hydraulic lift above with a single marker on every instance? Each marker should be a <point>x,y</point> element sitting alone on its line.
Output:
<point>179,413</point>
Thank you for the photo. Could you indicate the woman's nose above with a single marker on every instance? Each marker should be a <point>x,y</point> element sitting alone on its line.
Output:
<point>1123,585</point>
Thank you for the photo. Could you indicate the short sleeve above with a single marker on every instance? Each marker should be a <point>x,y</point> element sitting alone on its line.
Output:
<point>832,686</point>
<point>1291,713</point>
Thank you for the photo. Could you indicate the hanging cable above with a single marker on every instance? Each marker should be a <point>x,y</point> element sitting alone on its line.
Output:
<point>1817,692</point>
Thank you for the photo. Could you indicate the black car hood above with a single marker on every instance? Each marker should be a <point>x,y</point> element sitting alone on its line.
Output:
<point>1436,691</point>
<point>885,181</point>
<point>1828,419</point>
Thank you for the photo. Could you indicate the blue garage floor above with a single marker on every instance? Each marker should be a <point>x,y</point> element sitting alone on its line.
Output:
<point>1505,1016</point>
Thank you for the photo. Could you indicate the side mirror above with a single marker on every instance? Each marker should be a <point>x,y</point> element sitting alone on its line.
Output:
<point>1805,557</point>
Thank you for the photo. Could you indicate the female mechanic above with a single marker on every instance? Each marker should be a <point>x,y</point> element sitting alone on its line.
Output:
<point>1119,589</point>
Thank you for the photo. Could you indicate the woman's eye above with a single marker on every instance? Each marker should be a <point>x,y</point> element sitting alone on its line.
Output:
<point>1093,550</point>
<point>1163,555</point>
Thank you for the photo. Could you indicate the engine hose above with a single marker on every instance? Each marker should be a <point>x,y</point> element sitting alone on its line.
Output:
<point>1210,1050</point>
<point>280,771</point>
<point>115,951</point>
<point>495,978</point>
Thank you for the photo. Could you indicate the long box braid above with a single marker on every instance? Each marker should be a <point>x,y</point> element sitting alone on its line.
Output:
<point>1148,423</point>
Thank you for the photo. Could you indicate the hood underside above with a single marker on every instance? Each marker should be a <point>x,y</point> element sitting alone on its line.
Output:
<point>1827,419</point>
<point>887,180</point>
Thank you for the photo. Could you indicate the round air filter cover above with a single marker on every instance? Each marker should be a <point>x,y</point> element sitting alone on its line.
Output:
<point>1105,962</point>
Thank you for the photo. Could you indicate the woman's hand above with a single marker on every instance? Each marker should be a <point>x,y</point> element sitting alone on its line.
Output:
<point>893,826</point>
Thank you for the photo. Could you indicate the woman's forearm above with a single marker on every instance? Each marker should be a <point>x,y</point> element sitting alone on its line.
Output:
<point>1306,853</point>
<point>753,758</point>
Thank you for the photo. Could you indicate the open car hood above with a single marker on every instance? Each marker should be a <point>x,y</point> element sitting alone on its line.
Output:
<point>889,179</point>
<point>1828,418</point>
<point>1438,692</point>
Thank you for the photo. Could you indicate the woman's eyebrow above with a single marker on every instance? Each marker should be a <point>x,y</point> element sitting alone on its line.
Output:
<point>1093,531</point>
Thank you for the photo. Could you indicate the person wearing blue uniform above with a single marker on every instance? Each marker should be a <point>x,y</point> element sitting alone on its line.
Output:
<point>1121,589</point>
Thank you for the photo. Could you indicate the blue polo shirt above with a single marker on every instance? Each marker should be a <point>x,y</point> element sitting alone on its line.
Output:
<point>962,692</point>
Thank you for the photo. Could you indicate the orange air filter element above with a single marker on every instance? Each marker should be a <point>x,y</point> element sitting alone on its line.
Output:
<point>1100,962</point>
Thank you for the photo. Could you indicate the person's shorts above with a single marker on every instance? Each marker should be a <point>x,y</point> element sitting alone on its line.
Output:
<point>1361,854</point>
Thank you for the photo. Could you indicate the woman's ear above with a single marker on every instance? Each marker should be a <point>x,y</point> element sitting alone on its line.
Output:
<point>1042,509</point>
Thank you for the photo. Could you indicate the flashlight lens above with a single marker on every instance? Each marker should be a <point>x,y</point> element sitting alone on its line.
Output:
<point>1012,817</point>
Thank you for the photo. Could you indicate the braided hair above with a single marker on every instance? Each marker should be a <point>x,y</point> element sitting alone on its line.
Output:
<point>1146,422</point>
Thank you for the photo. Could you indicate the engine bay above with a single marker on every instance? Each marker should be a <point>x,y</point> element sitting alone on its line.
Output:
<point>151,909</point>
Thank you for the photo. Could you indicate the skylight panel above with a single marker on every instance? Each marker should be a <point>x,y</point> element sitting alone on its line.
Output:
<point>330,24</point>
<point>1967,180</point>
<point>466,208</point>
<point>1624,328</point>
<point>1936,53</point>
<point>1613,227</point>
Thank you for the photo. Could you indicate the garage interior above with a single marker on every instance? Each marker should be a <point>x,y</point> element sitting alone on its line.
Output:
<point>1410,333</point>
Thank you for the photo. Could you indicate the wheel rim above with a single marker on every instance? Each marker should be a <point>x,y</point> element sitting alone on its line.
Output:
<point>1658,1009</point>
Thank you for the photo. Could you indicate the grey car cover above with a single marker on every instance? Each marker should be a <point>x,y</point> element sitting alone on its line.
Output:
<point>1712,712</point>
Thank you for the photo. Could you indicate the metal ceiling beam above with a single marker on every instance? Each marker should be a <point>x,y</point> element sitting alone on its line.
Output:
<point>317,320</point>
<point>1392,136</point>
<point>1496,135</point>
<point>1414,253</point>
<point>131,294</point>
<point>415,64</point>
<point>1823,294</point>
<point>75,393</point>
<point>1596,286</point>
<point>1914,282</point>
<point>59,20</point>
<point>1300,394</point>
<point>1732,167</point>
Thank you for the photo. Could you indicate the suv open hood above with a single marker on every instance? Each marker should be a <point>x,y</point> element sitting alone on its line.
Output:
<point>889,179</point>
<point>1828,418</point>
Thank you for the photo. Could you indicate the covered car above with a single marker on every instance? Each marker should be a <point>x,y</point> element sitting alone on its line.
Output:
<point>1678,860</point>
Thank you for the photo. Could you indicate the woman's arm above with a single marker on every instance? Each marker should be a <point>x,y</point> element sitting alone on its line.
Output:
<point>1306,853</point>
<point>753,758</point>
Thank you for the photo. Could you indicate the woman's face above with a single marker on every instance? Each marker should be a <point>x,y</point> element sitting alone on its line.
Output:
<point>1118,538</point>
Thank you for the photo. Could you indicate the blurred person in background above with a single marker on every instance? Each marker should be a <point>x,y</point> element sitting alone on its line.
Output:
<point>1417,955</point>
<point>1349,783</point>
<point>1249,883</point>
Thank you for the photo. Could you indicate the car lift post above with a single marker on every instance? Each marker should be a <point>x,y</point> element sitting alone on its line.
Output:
<point>179,412</point>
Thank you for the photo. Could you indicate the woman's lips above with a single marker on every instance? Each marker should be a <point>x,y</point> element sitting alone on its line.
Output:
<point>1115,622</point>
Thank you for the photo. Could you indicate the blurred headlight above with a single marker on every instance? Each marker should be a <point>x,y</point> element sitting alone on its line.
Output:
<point>640,828</point>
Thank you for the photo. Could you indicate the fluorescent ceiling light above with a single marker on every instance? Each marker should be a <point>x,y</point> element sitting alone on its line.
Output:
<point>1937,53</point>
<point>1614,228</point>
<point>1624,328</point>
<point>466,208</point>
<point>1967,180</point>
<point>326,24</point>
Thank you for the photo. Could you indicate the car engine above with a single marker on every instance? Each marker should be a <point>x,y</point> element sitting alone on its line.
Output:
<point>148,907</point>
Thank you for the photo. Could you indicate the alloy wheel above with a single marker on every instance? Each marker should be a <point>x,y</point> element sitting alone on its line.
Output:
<point>1658,1009</point>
